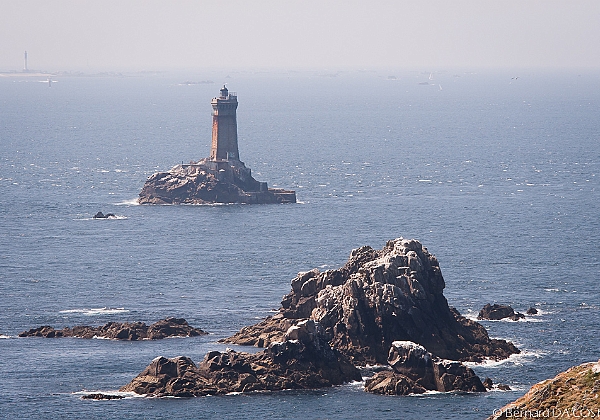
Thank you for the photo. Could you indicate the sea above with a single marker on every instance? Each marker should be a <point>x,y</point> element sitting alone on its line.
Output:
<point>496,172</point>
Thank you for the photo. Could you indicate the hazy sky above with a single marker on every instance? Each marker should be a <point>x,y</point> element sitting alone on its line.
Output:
<point>160,34</point>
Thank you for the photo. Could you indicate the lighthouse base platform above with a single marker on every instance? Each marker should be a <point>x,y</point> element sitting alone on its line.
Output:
<point>208,182</point>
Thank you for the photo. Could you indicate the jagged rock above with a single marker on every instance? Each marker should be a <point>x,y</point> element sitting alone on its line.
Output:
<point>303,360</point>
<point>497,312</point>
<point>376,298</point>
<point>532,311</point>
<point>206,182</point>
<point>415,371</point>
<point>488,383</point>
<point>43,331</point>
<point>168,327</point>
<point>392,383</point>
<point>570,394</point>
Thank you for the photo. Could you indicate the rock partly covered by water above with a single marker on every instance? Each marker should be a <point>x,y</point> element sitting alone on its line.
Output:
<point>303,360</point>
<point>415,371</point>
<point>376,298</point>
<point>101,215</point>
<point>101,396</point>
<point>571,394</point>
<point>207,182</point>
<point>169,327</point>
<point>496,312</point>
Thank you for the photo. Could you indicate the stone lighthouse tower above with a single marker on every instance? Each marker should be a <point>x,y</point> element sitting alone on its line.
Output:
<point>224,131</point>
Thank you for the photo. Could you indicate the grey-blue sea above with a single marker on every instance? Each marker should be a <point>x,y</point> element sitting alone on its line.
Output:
<point>495,172</point>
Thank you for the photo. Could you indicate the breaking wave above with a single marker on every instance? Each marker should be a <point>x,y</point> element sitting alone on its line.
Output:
<point>95,311</point>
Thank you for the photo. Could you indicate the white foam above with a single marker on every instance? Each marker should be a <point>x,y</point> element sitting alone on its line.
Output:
<point>126,395</point>
<point>528,318</point>
<point>95,311</point>
<point>2,336</point>
<point>355,386</point>
<point>540,312</point>
<point>131,202</point>
<point>429,392</point>
<point>526,356</point>
<point>115,217</point>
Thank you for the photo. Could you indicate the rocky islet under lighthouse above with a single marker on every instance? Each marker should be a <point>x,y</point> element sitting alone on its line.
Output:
<point>221,178</point>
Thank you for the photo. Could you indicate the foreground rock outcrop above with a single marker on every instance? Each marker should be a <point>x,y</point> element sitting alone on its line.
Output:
<point>168,327</point>
<point>376,298</point>
<point>207,182</point>
<point>496,312</point>
<point>574,393</point>
<point>303,360</point>
<point>415,371</point>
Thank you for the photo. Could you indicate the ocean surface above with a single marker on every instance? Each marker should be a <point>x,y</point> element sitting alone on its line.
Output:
<point>495,172</point>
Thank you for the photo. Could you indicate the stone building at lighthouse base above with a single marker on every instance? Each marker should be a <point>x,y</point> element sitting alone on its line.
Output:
<point>207,182</point>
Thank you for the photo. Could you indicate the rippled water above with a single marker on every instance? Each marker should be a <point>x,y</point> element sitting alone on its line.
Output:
<point>495,176</point>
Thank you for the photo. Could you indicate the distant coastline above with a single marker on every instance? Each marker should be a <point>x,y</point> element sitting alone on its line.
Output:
<point>26,74</point>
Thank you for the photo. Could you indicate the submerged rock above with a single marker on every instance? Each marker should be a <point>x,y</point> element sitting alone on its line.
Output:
<point>532,311</point>
<point>208,181</point>
<point>101,215</point>
<point>100,396</point>
<point>497,312</point>
<point>132,331</point>
<point>376,298</point>
<point>416,371</point>
<point>303,360</point>
<point>571,394</point>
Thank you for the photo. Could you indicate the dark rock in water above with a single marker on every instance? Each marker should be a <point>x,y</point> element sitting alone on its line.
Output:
<point>392,383</point>
<point>488,383</point>
<point>378,297</point>
<point>208,181</point>
<point>43,331</point>
<point>497,312</point>
<point>172,327</point>
<point>101,215</point>
<point>303,360</point>
<point>415,371</point>
<point>532,311</point>
<point>503,387</point>
<point>132,331</point>
<point>100,396</point>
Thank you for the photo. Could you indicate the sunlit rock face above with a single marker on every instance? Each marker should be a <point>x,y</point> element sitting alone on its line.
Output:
<point>376,298</point>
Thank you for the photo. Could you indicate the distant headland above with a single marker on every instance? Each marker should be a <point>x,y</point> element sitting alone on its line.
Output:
<point>221,178</point>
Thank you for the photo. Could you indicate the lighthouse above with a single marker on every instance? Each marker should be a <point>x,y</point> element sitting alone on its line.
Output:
<point>220,178</point>
<point>224,127</point>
